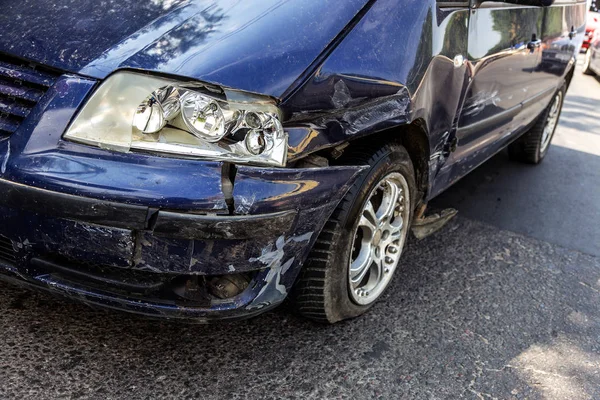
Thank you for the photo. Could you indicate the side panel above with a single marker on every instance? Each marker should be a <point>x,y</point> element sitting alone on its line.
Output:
<point>502,63</point>
<point>402,63</point>
<point>519,55</point>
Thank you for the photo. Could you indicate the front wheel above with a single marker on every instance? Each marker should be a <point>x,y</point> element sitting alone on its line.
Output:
<point>358,251</point>
<point>533,146</point>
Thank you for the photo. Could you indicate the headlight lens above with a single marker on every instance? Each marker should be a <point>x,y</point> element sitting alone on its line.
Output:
<point>203,116</point>
<point>132,111</point>
<point>159,108</point>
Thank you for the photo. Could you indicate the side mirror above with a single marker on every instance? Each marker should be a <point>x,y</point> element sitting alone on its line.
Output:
<point>535,3</point>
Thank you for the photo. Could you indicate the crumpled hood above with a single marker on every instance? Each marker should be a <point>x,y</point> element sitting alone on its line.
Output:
<point>256,45</point>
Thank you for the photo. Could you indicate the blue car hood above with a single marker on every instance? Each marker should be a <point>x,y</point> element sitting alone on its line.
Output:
<point>260,46</point>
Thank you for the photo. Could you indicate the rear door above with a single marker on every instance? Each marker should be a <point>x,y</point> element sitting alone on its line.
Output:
<point>502,62</point>
<point>562,36</point>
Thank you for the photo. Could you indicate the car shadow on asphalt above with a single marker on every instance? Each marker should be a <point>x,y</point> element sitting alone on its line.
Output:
<point>556,201</point>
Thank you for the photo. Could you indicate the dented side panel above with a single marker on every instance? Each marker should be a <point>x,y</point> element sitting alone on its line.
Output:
<point>389,71</point>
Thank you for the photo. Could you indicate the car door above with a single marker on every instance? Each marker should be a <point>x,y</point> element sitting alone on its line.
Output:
<point>562,36</point>
<point>501,60</point>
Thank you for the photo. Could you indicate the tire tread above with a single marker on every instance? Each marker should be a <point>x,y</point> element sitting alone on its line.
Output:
<point>526,149</point>
<point>308,295</point>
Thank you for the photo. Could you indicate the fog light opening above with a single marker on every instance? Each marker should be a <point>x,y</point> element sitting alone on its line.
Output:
<point>206,289</point>
<point>228,286</point>
<point>191,288</point>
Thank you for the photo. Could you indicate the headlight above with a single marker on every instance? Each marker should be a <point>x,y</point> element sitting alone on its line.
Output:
<point>131,111</point>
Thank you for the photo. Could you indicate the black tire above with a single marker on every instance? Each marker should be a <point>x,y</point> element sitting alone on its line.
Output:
<point>587,63</point>
<point>321,292</point>
<point>530,147</point>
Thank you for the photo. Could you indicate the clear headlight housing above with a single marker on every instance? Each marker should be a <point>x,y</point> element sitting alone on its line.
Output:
<point>132,111</point>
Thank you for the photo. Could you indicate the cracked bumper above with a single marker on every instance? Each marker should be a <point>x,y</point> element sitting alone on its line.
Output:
<point>278,214</point>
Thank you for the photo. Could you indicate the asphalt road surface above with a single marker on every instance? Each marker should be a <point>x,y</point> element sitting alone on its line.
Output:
<point>503,303</point>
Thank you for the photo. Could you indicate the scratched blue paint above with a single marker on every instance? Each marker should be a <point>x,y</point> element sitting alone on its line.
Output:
<point>340,71</point>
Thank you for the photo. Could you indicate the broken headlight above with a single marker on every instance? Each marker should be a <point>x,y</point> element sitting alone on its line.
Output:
<point>136,112</point>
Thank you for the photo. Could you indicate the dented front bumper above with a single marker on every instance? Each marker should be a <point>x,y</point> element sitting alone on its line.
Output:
<point>122,230</point>
<point>267,234</point>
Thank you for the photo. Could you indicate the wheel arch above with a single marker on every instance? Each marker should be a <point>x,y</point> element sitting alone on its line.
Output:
<point>414,138</point>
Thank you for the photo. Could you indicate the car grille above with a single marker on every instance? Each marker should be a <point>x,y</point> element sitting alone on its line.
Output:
<point>22,85</point>
<point>7,252</point>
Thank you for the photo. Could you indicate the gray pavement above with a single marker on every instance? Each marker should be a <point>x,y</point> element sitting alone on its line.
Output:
<point>503,303</point>
<point>557,201</point>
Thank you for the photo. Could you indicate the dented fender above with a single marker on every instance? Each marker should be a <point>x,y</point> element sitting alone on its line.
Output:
<point>258,190</point>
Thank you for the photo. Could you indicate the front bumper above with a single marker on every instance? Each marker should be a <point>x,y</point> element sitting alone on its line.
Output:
<point>65,243</point>
<point>124,230</point>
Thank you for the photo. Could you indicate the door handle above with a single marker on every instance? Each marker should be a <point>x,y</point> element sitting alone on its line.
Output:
<point>534,44</point>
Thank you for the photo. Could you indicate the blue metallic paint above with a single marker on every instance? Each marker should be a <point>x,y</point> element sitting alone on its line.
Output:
<point>339,73</point>
<point>258,46</point>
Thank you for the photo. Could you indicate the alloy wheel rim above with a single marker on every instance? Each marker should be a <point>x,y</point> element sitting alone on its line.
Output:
<point>551,122</point>
<point>379,239</point>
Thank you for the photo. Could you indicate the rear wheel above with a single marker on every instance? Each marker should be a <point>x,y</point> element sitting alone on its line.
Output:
<point>587,62</point>
<point>533,146</point>
<point>359,249</point>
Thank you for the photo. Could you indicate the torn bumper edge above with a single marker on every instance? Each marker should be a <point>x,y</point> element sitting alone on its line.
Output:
<point>280,214</point>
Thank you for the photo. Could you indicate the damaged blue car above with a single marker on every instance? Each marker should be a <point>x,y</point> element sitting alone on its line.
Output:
<point>202,160</point>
